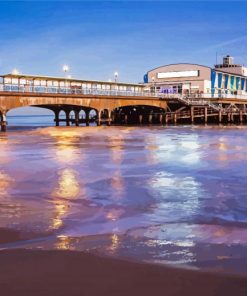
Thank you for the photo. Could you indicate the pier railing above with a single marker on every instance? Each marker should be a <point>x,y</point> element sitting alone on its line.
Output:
<point>191,99</point>
<point>76,91</point>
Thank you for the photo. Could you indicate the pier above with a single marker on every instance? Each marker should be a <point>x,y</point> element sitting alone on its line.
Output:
<point>86,102</point>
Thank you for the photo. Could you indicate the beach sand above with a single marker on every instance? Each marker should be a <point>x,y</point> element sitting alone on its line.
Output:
<point>55,273</point>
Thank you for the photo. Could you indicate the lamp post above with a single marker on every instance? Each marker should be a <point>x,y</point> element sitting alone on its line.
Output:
<point>65,70</point>
<point>115,76</point>
<point>15,71</point>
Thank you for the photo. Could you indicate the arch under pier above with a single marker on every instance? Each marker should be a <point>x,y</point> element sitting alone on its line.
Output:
<point>104,107</point>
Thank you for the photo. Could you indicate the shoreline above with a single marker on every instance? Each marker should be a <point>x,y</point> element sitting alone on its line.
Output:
<point>57,272</point>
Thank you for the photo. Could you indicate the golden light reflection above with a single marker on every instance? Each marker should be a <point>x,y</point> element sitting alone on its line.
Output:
<point>68,189</point>
<point>5,183</point>
<point>66,145</point>
<point>61,209</point>
<point>66,152</point>
<point>115,242</point>
<point>68,185</point>
<point>5,151</point>
<point>63,243</point>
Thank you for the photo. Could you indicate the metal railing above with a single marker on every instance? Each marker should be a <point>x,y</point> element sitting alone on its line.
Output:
<point>190,99</point>
<point>76,91</point>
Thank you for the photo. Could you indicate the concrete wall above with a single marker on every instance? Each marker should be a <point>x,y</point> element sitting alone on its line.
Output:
<point>200,82</point>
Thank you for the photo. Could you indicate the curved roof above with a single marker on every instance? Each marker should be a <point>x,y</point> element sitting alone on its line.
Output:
<point>179,64</point>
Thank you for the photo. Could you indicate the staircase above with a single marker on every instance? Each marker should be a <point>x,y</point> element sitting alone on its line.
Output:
<point>198,102</point>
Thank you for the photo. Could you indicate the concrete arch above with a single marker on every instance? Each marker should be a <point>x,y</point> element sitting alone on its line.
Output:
<point>11,100</point>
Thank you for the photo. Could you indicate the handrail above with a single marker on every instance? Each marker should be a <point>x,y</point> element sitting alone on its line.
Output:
<point>70,91</point>
<point>192,99</point>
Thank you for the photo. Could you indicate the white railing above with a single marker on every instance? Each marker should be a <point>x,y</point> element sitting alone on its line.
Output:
<point>190,99</point>
<point>76,91</point>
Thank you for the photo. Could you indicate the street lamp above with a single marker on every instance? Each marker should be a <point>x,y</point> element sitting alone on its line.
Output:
<point>65,70</point>
<point>15,72</point>
<point>115,76</point>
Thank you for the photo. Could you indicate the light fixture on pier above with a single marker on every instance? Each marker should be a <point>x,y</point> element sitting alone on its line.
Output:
<point>65,68</point>
<point>115,76</point>
<point>15,71</point>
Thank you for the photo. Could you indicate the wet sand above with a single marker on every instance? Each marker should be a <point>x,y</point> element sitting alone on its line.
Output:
<point>55,273</point>
<point>72,198</point>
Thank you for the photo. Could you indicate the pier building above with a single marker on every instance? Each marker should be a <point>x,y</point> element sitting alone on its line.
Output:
<point>189,79</point>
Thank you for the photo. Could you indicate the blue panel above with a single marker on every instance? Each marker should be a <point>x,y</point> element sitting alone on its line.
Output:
<point>145,78</point>
<point>220,80</point>
<point>238,82</point>
<point>232,83</point>
<point>242,83</point>
<point>226,81</point>
<point>213,77</point>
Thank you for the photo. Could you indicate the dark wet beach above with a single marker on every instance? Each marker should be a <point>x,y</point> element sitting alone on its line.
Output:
<point>173,195</point>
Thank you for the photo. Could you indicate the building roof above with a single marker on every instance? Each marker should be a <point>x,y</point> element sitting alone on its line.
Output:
<point>51,78</point>
<point>179,64</point>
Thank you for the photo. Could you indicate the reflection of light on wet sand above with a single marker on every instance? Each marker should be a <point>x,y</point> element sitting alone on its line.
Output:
<point>68,189</point>
<point>5,151</point>
<point>185,149</point>
<point>116,145</point>
<point>117,184</point>
<point>114,243</point>
<point>171,189</point>
<point>66,145</point>
<point>66,150</point>
<point>5,183</point>
<point>68,185</point>
<point>61,209</point>
<point>63,243</point>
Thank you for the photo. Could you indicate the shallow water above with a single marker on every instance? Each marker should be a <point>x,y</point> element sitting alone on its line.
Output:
<point>160,194</point>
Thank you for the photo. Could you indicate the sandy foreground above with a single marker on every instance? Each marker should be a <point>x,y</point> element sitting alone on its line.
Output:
<point>55,273</point>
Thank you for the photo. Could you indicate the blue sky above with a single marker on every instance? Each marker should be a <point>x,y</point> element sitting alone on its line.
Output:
<point>98,38</point>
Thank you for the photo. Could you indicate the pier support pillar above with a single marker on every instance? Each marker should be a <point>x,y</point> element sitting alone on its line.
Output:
<point>99,118</point>
<point>150,118</point>
<point>166,119</point>
<point>175,117</point>
<point>206,115</point>
<point>241,116</point>
<point>3,121</point>
<point>56,118</point>
<point>220,116</point>
<point>192,114</point>
<point>87,117</point>
<point>232,117</point>
<point>67,118</point>
<point>125,118</point>
<point>140,118</point>
<point>229,117</point>
<point>161,118</point>
<point>77,118</point>
<point>113,117</point>
<point>109,117</point>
